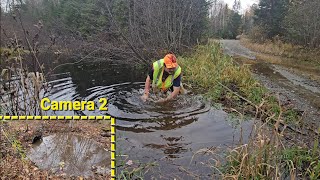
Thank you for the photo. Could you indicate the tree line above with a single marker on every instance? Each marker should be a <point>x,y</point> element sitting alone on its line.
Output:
<point>129,28</point>
<point>143,29</point>
<point>294,21</point>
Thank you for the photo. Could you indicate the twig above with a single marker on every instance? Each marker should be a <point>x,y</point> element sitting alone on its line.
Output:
<point>125,38</point>
<point>262,111</point>
<point>76,61</point>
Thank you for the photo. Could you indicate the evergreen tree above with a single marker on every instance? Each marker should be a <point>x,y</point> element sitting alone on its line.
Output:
<point>270,15</point>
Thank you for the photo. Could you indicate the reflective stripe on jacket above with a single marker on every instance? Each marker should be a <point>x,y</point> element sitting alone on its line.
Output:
<point>158,68</point>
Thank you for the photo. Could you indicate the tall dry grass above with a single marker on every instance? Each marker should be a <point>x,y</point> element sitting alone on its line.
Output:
<point>291,53</point>
<point>267,155</point>
<point>208,68</point>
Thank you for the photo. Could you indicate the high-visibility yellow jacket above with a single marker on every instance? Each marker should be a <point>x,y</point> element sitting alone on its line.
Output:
<point>158,68</point>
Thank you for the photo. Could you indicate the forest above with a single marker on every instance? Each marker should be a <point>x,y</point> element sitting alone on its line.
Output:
<point>249,110</point>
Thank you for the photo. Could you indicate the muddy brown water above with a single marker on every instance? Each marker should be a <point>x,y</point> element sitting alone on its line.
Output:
<point>69,154</point>
<point>168,135</point>
<point>310,90</point>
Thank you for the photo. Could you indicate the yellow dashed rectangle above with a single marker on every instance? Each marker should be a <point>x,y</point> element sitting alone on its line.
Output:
<point>113,130</point>
<point>60,118</point>
<point>68,117</point>
<point>113,121</point>
<point>113,174</point>
<point>107,117</point>
<point>99,117</point>
<point>113,147</point>
<point>92,117</point>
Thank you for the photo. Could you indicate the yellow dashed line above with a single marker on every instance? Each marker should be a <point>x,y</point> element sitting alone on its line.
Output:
<point>113,130</point>
<point>99,117</point>
<point>68,118</point>
<point>92,117</point>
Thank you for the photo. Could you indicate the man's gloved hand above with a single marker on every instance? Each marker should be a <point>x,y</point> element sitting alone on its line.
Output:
<point>144,97</point>
<point>161,100</point>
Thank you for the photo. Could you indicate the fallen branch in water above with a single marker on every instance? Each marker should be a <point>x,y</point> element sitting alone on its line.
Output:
<point>74,62</point>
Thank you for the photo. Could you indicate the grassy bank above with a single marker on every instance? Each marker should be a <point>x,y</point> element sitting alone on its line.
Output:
<point>208,67</point>
<point>229,84</point>
<point>278,52</point>
<point>278,48</point>
<point>268,154</point>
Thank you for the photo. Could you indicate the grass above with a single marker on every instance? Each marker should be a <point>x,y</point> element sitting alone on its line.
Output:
<point>265,156</point>
<point>11,53</point>
<point>208,67</point>
<point>228,83</point>
<point>292,56</point>
<point>278,48</point>
<point>302,161</point>
<point>132,169</point>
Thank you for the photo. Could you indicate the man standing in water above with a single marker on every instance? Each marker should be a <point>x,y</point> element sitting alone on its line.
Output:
<point>164,75</point>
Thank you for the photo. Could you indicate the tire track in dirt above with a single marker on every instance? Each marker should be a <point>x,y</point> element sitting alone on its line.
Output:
<point>295,89</point>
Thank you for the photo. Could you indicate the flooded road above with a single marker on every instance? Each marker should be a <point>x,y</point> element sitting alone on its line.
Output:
<point>294,88</point>
<point>167,135</point>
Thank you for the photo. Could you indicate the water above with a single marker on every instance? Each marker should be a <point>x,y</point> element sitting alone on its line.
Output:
<point>166,134</point>
<point>70,154</point>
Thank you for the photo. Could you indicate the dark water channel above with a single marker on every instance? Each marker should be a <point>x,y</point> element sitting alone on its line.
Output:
<point>165,134</point>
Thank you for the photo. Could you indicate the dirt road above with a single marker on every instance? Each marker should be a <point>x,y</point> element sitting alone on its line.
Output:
<point>294,88</point>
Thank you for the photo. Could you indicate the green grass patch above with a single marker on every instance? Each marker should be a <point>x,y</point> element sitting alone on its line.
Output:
<point>263,157</point>
<point>305,161</point>
<point>208,65</point>
<point>208,68</point>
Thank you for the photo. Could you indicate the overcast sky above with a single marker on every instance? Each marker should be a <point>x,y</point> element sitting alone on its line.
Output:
<point>244,3</point>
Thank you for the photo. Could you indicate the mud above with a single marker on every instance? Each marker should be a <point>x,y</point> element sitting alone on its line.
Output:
<point>234,48</point>
<point>294,88</point>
